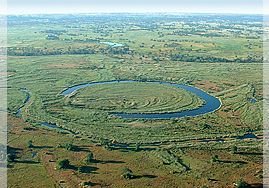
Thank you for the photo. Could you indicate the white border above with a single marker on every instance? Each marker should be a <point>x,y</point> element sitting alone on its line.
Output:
<point>3,94</point>
<point>266,93</point>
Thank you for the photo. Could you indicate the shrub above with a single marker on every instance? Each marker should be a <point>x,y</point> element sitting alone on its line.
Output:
<point>87,183</point>
<point>137,147</point>
<point>11,157</point>
<point>234,149</point>
<point>80,169</point>
<point>71,147</point>
<point>63,164</point>
<point>242,184</point>
<point>215,158</point>
<point>30,144</point>
<point>89,158</point>
<point>106,143</point>
<point>127,174</point>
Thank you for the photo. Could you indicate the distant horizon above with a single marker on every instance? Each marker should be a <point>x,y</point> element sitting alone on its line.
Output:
<point>31,7</point>
<point>100,13</point>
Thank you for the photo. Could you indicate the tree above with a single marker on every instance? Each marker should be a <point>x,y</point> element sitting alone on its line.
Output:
<point>87,184</point>
<point>80,169</point>
<point>137,147</point>
<point>30,144</point>
<point>215,158</point>
<point>242,184</point>
<point>71,147</point>
<point>127,174</point>
<point>234,149</point>
<point>63,164</point>
<point>11,157</point>
<point>106,143</point>
<point>89,158</point>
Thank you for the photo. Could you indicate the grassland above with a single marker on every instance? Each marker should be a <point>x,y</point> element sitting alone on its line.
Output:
<point>220,56</point>
<point>134,98</point>
<point>46,104</point>
<point>152,168</point>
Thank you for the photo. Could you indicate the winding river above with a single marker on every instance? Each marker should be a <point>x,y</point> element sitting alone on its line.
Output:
<point>24,90</point>
<point>211,103</point>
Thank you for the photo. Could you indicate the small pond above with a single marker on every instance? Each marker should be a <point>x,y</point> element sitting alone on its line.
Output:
<point>112,44</point>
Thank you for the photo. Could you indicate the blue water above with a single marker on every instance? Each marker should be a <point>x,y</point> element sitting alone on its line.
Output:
<point>54,126</point>
<point>213,140</point>
<point>211,103</point>
<point>112,44</point>
<point>246,136</point>
<point>50,125</point>
<point>252,100</point>
<point>18,113</point>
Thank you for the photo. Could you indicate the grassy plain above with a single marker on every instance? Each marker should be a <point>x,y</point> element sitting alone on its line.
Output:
<point>152,168</point>
<point>221,56</point>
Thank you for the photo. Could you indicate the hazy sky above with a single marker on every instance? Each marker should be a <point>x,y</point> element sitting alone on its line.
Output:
<point>93,6</point>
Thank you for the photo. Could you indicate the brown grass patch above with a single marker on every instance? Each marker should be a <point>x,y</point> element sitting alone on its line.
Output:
<point>7,73</point>
<point>64,65</point>
<point>208,86</point>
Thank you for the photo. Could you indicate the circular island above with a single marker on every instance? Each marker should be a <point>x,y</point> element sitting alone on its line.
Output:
<point>142,99</point>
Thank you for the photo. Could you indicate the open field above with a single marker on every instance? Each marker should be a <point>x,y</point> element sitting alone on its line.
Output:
<point>221,56</point>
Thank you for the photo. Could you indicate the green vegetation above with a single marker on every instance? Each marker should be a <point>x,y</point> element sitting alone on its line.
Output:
<point>71,147</point>
<point>11,157</point>
<point>242,184</point>
<point>49,53</point>
<point>30,144</point>
<point>134,98</point>
<point>87,183</point>
<point>127,173</point>
<point>234,149</point>
<point>169,157</point>
<point>89,158</point>
<point>215,158</point>
<point>63,164</point>
<point>137,147</point>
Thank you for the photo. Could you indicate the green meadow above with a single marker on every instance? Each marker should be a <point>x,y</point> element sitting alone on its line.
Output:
<point>48,54</point>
